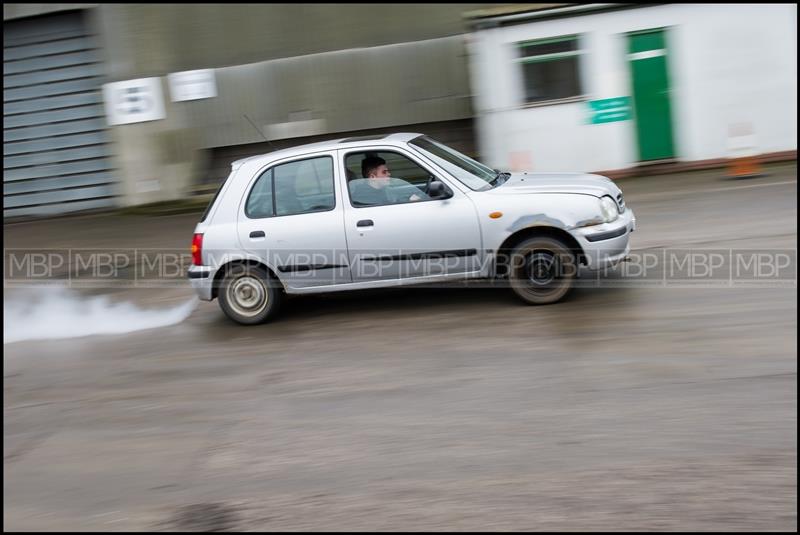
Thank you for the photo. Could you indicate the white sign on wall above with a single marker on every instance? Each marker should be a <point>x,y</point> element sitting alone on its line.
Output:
<point>192,85</point>
<point>133,101</point>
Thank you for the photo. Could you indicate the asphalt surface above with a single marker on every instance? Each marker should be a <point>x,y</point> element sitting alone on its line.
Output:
<point>627,407</point>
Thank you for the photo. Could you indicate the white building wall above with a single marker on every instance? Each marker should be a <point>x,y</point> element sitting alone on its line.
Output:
<point>728,64</point>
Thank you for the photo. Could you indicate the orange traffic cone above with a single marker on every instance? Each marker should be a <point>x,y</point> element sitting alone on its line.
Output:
<point>743,159</point>
<point>744,167</point>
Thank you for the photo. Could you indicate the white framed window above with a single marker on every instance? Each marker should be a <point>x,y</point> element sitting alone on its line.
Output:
<point>297,187</point>
<point>550,69</point>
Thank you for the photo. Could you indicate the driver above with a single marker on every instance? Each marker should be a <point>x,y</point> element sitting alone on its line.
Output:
<point>378,187</point>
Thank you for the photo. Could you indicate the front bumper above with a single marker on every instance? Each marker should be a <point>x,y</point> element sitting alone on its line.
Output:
<point>202,280</point>
<point>607,244</point>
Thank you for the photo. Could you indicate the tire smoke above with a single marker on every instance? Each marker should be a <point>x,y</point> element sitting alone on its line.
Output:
<point>51,313</point>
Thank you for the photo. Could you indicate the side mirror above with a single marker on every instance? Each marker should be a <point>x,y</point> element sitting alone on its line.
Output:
<point>437,190</point>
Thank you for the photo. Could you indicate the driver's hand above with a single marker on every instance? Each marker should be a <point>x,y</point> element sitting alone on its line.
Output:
<point>415,197</point>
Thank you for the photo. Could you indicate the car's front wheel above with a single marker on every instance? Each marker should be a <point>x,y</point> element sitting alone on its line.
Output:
<point>542,270</point>
<point>249,295</point>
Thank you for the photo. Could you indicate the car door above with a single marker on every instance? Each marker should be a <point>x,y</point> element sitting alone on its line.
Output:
<point>429,237</point>
<point>291,217</point>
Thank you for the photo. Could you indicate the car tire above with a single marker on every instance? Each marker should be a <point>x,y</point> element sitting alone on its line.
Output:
<point>542,270</point>
<point>250,295</point>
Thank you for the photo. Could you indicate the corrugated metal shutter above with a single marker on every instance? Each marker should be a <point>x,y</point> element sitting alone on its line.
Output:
<point>55,143</point>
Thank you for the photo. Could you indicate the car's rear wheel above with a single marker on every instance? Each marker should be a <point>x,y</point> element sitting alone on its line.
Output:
<point>542,270</point>
<point>249,295</point>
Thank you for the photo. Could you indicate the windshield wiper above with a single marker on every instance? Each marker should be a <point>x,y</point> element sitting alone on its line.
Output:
<point>500,178</point>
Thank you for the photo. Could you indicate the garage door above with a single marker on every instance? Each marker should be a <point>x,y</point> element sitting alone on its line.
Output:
<point>55,143</point>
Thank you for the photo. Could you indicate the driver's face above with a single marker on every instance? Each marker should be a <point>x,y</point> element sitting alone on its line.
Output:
<point>381,175</point>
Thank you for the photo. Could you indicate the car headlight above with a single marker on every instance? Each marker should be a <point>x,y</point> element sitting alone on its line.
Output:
<point>608,207</point>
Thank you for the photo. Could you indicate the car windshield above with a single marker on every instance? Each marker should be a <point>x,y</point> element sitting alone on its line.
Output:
<point>472,174</point>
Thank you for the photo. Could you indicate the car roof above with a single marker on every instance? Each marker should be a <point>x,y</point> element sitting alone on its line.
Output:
<point>333,144</point>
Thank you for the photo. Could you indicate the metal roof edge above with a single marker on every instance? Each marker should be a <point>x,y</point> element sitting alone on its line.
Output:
<point>482,21</point>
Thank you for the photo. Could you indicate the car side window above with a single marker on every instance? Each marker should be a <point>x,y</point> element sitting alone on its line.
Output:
<point>298,187</point>
<point>259,202</point>
<point>377,178</point>
<point>304,186</point>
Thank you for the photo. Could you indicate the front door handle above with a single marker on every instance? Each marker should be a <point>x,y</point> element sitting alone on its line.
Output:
<point>365,223</point>
<point>257,234</point>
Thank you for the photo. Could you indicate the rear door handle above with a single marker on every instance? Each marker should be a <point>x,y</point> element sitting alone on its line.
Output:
<point>365,223</point>
<point>257,234</point>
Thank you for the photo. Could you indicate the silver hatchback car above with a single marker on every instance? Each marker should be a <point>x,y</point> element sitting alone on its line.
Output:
<point>400,209</point>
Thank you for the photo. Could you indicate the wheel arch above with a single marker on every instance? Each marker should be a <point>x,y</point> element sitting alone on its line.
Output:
<point>521,235</point>
<point>225,268</point>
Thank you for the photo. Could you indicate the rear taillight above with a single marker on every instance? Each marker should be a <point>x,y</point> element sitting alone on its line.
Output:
<point>197,250</point>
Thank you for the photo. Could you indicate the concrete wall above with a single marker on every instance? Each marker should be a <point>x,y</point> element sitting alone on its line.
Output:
<point>336,67</point>
<point>339,91</point>
<point>728,64</point>
<point>160,38</point>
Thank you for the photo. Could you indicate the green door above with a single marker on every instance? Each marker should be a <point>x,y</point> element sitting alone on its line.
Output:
<point>647,55</point>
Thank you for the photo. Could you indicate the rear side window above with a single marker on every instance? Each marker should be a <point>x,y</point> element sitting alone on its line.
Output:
<point>259,203</point>
<point>299,187</point>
